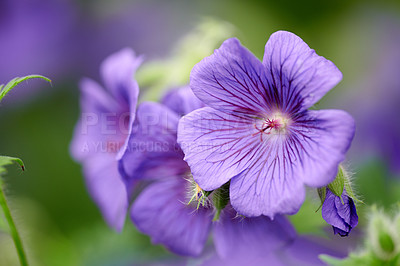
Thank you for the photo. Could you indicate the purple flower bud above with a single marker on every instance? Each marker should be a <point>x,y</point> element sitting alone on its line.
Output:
<point>339,212</point>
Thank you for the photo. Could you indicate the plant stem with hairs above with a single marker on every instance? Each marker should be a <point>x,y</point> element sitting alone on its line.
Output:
<point>13,229</point>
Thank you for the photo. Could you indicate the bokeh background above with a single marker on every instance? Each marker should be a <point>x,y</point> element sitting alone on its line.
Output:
<point>66,40</point>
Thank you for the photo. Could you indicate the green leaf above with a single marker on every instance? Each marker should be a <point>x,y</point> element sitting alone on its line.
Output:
<point>7,160</point>
<point>14,82</point>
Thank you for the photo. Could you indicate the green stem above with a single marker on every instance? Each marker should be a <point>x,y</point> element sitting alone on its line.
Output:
<point>13,229</point>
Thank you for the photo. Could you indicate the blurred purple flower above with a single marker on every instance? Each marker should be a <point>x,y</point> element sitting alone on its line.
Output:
<point>99,138</point>
<point>37,36</point>
<point>60,38</point>
<point>162,210</point>
<point>377,134</point>
<point>252,237</point>
<point>341,215</point>
<point>116,24</point>
<point>257,131</point>
<point>302,250</point>
<point>306,250</point>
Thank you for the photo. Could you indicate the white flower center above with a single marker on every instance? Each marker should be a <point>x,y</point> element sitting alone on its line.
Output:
<point>273,125</point>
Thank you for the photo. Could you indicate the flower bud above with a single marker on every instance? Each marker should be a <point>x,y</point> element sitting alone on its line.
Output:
<point>382,236</point>
<point>338,208</point>
<point>340,212</point>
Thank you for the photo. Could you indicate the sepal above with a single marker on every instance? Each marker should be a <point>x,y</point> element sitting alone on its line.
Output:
<point>220,199</point>
<point>337,185</point>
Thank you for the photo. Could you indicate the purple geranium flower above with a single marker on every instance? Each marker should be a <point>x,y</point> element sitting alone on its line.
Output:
<point>339,212</point>
<point>99,138</point>
<point>302,250</point>
<point>164,210</point>
<point>257,131</point>
<point>305,250</point>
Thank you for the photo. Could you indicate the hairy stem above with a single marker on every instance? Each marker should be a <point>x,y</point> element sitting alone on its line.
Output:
<point>13,230</point>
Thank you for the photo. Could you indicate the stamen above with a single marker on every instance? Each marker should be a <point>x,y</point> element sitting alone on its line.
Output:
<point>275,125</point>
<point>197,194</point>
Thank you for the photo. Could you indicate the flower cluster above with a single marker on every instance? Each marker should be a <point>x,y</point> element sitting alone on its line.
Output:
<point>231,154</point>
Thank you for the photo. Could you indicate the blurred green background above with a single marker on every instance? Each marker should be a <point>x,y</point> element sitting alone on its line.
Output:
<point>59,222</point>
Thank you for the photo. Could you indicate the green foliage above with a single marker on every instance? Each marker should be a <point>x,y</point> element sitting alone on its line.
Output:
<point>14,82</point>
